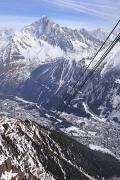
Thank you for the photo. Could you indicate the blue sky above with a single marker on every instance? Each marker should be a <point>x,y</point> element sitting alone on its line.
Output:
<point>73,13</point>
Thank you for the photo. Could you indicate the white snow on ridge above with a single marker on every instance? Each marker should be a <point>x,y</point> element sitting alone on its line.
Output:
<point>2,158</point>
<point>24,101</point>
<point>73,128</point>
<point>94,116</point>
<point>92,133</point>
<point>36,51</point>
<point>77,44</point>
<point>8,175</point>
<point>117,81</point>
<point>75,131</point>
<point>99,148</point>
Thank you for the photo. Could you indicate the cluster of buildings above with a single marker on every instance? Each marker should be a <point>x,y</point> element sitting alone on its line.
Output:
<point>86,131</point>
<point>103,134</point>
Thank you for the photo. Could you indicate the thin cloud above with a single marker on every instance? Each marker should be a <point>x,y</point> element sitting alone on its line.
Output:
<point>103,9</point>
<point>75,24</point>
<point>72,13</point>
<point>15,22</point>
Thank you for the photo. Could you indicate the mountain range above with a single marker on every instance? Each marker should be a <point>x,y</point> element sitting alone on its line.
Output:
<point>49,59</point>
<point>39,66</point>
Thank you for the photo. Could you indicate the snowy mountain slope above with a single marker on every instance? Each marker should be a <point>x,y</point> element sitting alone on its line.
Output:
<point>5,37</point>
<point>43,154</point>
<point>112,62</point>
<point>42,42</point>
<point>53,81</point>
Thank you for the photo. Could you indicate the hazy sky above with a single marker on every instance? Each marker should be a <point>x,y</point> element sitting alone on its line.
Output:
<point>73,13</point>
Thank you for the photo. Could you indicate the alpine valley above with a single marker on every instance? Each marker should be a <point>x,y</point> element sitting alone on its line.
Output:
<point>39,66</point>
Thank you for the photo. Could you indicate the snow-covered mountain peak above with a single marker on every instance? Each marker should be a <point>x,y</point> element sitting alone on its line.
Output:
<point>45,20</point>
<point>40,27</point>
<point>43,42</point>
<point>44,25</point>
<point>99,33</point>
<point>99,30</point>
<point>102,34</point>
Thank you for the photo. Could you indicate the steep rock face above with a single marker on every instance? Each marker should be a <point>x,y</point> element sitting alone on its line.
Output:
<point>44,154</point>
